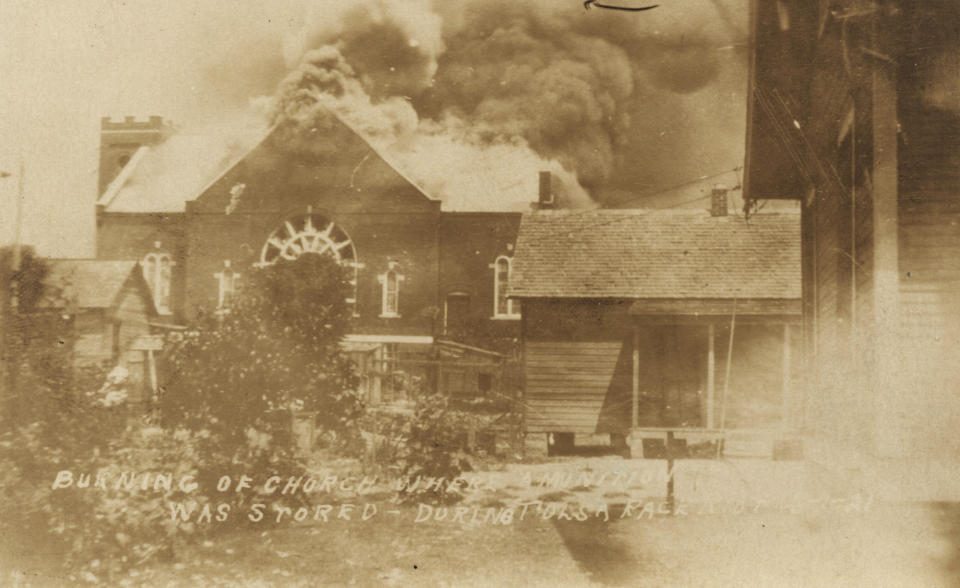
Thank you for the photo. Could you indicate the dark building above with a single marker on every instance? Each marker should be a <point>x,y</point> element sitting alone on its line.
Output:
<point>627,319</point>
<point>198,214</point>
<point>854,112</point>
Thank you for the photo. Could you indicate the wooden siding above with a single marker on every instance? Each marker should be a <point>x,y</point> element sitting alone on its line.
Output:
<point>132,314</point>
<point>578,386</point>
<point>929,264</point>
<point>838,254</point>
<point>586,386</point>
<point>887,379</point>
<point>930,226</point>
<point>92,343</point>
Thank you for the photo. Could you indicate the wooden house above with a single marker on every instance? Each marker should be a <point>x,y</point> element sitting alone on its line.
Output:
<point>628,316</point>
<point>853,111</point>
<point>112,314</point>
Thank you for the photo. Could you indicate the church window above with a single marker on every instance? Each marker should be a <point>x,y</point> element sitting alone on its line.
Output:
<point>390,292</point>
<point>226,286</point>
<point>313,233</point>
<point>157,269</point>
<point>503,307</point>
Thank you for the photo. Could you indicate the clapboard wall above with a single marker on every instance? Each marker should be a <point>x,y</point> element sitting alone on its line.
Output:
<point>929,235</point>
<point>577,366</point>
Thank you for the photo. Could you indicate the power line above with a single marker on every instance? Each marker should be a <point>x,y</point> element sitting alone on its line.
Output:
<point>666,189</point>
<point>622,217</point>
<point>650,195</point>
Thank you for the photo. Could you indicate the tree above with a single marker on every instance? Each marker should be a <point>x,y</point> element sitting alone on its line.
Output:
<point>30,341</point>
<point>277,349</point>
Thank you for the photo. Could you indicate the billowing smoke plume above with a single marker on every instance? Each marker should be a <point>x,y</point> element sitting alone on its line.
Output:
<point>473,98</point>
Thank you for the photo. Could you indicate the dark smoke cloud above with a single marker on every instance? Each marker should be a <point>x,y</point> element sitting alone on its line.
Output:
<point>541,83</point>
<point>563,93</point>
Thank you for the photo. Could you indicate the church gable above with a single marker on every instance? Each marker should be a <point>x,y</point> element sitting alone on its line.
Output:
<point>334,169</point>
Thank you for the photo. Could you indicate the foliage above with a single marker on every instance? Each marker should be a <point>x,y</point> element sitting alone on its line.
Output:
<point>81,426</point>
<point>224,411</point>
<point>31,336</point>
<point>436,443</point>
<point>97,533</point>
<point>428,443</point>
<point>277,349</point>
<point>28,278</point>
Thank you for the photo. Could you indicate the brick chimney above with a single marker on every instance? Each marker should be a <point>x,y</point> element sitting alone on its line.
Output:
<point>718,200</point>
<point>546,199</point>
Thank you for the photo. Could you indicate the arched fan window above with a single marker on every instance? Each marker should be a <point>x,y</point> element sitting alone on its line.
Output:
<point>312,233</point>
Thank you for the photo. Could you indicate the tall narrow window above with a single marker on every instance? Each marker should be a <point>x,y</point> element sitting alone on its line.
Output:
<point>503,307</point>
<point>390,297</point>
<point>226,286</point>
<point>157,269</point>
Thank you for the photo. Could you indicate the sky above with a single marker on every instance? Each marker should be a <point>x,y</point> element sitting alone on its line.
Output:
<point>629,103</point>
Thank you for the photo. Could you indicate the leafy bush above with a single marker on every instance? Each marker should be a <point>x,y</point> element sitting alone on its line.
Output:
<point>429,443</point>
<point>93,533</point>
<point>225,410</point>
<point>276,350</point>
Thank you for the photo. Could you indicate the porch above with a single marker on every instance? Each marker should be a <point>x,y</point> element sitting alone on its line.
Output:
<point>718,380</point>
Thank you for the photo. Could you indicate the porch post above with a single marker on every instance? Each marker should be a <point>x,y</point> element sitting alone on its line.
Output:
<point>884,351</point>
<point>152,366</point>
<point>787,404</point>
<point>711,375</point>
<point>634,417</point>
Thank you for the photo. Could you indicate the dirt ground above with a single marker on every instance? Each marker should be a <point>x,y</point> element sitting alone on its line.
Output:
<point>598,522</point>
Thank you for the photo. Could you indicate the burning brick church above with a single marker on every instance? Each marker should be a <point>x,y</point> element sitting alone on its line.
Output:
<point>423,274</point>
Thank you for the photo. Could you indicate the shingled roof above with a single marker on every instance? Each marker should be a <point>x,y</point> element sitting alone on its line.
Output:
<point>88,283</point>
<point>632,254</point>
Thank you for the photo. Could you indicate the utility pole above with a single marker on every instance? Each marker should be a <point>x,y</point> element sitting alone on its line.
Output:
<point>17,228</point>
<point>9,298</point>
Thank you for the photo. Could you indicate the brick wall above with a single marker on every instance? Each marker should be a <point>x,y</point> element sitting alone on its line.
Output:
<point>387,218</point>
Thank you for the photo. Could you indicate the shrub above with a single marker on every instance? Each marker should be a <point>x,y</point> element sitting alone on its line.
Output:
<point>427,443</point>
<point>224,411</point>
<point>276,350</point>
<point>93,533</point>
<point>236,378</point>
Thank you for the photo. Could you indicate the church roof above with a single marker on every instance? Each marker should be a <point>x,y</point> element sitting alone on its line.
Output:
<point>162,178</point>
<point>634,254</point>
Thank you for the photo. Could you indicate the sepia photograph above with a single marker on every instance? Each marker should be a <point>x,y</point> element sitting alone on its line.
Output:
<point>480,293</point>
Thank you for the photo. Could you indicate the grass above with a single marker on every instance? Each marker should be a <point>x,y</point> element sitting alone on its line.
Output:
<point>892,546</point>
<point>889,545</point>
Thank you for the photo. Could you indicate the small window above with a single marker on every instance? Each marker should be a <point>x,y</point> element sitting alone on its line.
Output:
<point>226,286</point>
<point>157,269</point>
<point>390,292</point>
<point>503,307</point>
